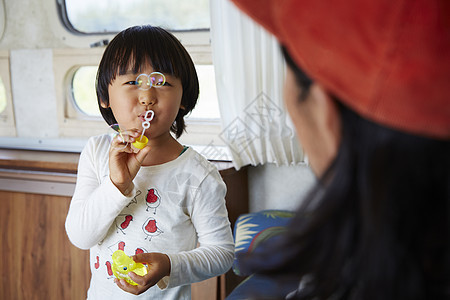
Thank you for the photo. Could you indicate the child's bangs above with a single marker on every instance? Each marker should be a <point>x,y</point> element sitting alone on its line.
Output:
<point>138,57</point>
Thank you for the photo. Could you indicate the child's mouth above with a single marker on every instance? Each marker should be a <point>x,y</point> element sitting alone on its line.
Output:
<point>143,115</point>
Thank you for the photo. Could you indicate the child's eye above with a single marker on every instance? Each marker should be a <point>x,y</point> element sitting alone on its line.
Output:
<point>132,82</point>
<point>160,84</point>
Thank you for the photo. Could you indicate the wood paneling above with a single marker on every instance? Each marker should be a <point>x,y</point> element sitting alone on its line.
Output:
<point>205,290</point>
<point>39,160</point>
<point>37,259</point>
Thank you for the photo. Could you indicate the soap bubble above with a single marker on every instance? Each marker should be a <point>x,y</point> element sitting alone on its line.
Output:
<point>119,132</point>
<point>155,79</point>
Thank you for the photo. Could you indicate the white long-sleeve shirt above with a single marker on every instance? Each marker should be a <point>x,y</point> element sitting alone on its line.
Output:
<point>171,208</point>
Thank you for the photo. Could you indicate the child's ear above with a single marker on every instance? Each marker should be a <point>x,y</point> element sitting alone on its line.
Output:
<point>182,107</point>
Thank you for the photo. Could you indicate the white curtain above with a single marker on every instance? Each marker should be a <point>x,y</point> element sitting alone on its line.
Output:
<point>250,70</point>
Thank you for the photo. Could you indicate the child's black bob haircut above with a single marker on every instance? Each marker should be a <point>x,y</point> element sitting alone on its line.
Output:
<point>132,49</point>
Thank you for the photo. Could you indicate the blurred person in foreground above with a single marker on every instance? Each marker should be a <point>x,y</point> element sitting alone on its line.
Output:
<point>368,90</point>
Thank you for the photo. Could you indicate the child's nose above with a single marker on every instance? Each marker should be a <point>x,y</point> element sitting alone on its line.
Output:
<point>147,97</point>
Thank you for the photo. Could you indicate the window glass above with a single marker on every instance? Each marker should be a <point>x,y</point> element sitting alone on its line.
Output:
<point>207,104</point>
<point>2,96</point>
<point>85,98</point>
<point>106,16</point>
<point>83,90</point>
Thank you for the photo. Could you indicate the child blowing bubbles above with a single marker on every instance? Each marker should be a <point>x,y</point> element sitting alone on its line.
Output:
<point>157,203</point>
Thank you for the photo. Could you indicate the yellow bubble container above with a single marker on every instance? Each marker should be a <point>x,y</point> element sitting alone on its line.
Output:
<point>141,142</point>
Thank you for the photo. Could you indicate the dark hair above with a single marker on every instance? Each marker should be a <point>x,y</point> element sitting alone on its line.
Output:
<point>138,45</point>
<point>302,79</point>
<point>377,227</point>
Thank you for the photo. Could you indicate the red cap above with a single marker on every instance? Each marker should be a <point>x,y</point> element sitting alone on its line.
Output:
<point>389,60</point>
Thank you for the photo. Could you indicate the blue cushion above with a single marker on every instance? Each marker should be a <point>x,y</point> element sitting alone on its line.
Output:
<point>252,229</point>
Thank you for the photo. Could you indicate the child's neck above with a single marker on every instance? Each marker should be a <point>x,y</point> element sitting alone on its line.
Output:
<point>163,149</point>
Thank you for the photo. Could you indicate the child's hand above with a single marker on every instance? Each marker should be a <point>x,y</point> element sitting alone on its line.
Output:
<point>158,265</point>
<point>124,163</point>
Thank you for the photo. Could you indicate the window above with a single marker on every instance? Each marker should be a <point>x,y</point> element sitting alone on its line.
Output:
<point>109,16</point>
<point>208,105</point>
<point>85,23</point>
<point>83,90</point>
<point>75,78</point>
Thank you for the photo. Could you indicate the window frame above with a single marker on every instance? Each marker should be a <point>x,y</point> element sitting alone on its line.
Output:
<point>62,13</point>
<point>71,122</point>
<point>82,40</point>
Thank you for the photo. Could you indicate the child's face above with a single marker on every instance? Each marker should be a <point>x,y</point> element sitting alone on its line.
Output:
<point>129,103</point>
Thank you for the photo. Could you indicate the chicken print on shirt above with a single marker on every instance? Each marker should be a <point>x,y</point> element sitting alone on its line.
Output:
<point>153,200</point>
<point>151,229</point>
<point>123,221</point>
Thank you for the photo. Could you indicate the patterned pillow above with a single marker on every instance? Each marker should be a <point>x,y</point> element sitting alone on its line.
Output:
<point>252,229</point>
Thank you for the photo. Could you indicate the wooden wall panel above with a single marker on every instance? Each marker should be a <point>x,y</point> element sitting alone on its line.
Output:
<point>36,258</point>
